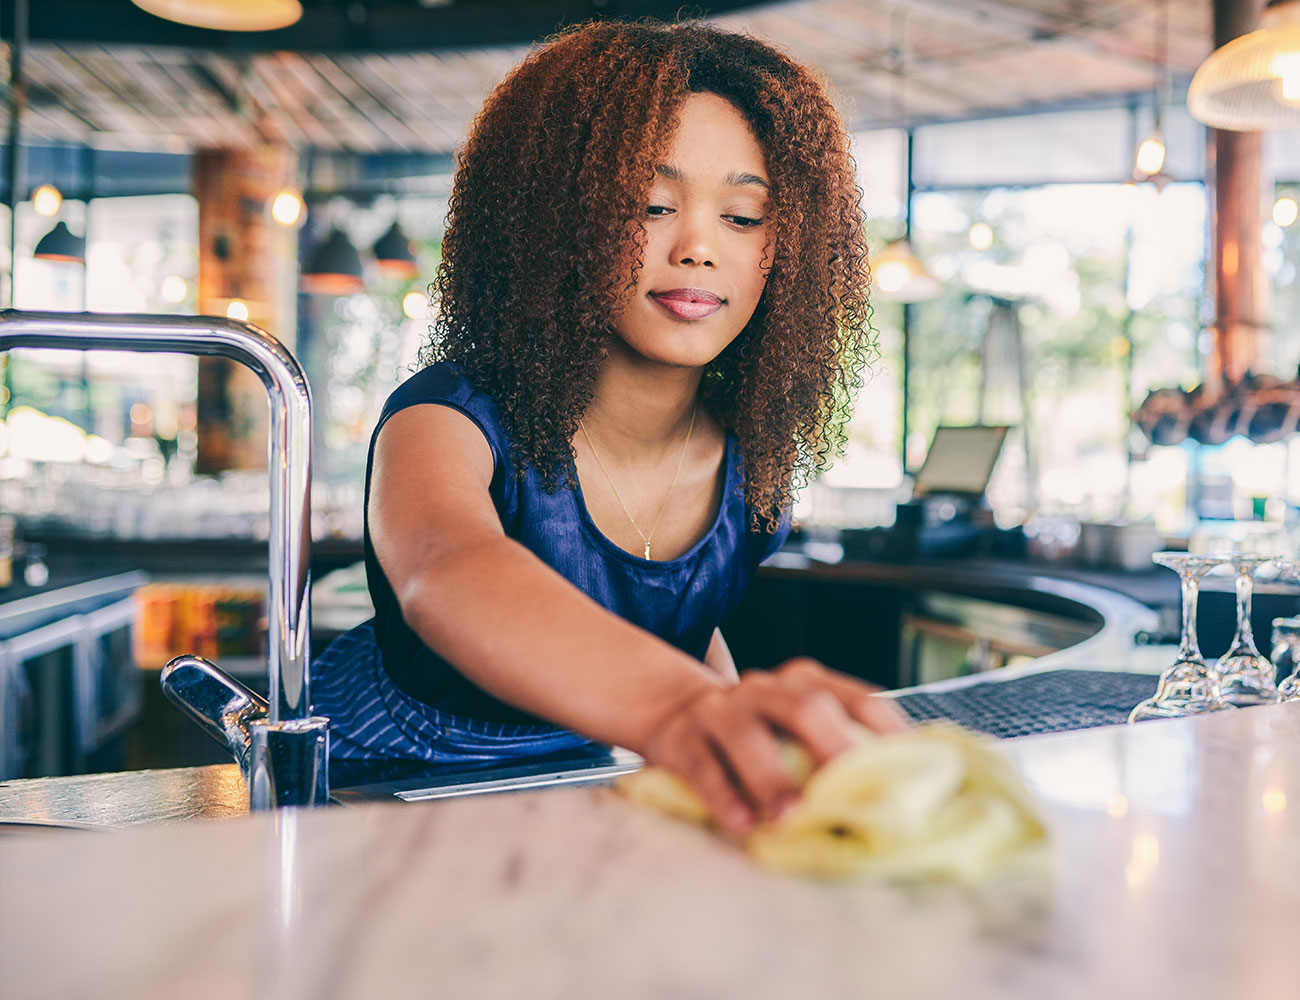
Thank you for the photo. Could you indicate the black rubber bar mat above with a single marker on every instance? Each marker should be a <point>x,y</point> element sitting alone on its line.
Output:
<point>1051,702</point>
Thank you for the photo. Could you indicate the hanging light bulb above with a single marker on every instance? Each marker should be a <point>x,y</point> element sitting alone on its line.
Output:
<point>1253,82</point>
<point>901,277</point>
<point>1149,163</point>
<point>174,289</point>
<point>287,208</point>
<point>1150,156</point>
<point>415,305</point>
<point>1286,210</point>
<point>46,200</point>
<point>226,15</point>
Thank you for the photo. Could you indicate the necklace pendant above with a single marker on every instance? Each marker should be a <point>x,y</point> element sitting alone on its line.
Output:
<point>647,550</point>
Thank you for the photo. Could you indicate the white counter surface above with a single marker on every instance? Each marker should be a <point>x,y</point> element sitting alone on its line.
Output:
<point>1176,875</point>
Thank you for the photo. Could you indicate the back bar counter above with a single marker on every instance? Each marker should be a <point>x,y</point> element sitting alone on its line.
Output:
<point>897,625</point>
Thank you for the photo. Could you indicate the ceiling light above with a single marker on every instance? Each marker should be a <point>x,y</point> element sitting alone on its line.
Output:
<point>1150,156</point>
<point>334,267</point>
<point>1286,210</point>
<point>226,15</point>
<point>59,244</point>
<point>901,277</point>
<point>980,236</point>
<point>1253,82</point>
<point>393,254</point>
<point>174,289</point>
<point>46,200</point>
<point>415,305</point>
<point>287,208</point>
<point>1149,163</point>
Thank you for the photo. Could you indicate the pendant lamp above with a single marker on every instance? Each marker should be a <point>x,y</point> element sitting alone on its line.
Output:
<point>334,267</point>
<point>899,275</point>
<point>1149,162</point>
<point>1253,82</point>
<point>393,254</point>
<point>60,245</point>
<point>226,15</point>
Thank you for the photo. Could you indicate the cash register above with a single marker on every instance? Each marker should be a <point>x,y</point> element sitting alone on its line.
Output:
<point>947,512</point>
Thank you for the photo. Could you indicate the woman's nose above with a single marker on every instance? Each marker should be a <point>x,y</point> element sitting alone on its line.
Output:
<point>694,244</point>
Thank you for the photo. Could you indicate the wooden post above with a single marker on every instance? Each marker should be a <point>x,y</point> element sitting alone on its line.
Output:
<point>1235,191</point>
<point>246,257</point>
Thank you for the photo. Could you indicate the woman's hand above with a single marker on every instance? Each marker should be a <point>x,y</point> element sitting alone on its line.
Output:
<point>724,741</point>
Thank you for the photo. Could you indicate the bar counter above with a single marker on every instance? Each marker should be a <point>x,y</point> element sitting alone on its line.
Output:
<point>1174,875</point>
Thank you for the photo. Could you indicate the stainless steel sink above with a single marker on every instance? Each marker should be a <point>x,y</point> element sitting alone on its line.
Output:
<point>9,827</point>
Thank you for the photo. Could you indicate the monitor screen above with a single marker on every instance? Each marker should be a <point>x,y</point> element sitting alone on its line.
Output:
<point>960,460</point>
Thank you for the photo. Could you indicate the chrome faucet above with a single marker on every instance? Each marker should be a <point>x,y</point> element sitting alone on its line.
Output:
<point>282,749</point>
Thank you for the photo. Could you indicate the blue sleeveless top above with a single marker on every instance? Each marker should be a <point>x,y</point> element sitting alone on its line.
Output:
<point>680,600</point>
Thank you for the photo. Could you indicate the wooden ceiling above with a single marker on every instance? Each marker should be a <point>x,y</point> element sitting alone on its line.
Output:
<point>889,62</point>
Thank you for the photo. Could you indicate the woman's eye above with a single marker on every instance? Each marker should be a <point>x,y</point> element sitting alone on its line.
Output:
<point>743,221</point>
<point>658,210</point>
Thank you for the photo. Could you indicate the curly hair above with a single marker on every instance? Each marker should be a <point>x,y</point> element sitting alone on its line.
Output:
<point>544,230</point>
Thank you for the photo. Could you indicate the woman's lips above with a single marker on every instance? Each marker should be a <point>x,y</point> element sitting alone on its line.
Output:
<point>687,303</point>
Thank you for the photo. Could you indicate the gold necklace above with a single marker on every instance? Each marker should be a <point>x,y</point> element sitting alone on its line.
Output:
<point>667,496</point>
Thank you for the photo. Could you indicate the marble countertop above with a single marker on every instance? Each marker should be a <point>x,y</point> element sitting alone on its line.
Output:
<point>1176,874</point>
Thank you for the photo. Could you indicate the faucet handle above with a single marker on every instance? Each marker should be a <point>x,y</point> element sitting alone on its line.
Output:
<point>222,707</point>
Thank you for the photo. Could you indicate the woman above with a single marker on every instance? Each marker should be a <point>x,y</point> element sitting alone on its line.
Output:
<point>652,308</point>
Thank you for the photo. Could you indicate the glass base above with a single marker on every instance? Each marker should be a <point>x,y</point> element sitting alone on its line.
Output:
<point>1173,708</point>
<point>1247,680</point>
<point>1188,687</point>
<point>1244,697</point>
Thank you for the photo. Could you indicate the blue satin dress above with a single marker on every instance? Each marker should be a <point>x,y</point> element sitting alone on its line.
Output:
<point>387,694</point>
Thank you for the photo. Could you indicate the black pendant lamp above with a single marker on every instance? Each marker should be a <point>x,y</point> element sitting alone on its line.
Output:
<point>59,244</point>
<point>334,267</point>
<point>394,255</point>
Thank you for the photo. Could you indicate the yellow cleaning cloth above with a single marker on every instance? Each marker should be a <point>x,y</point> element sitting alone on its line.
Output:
<point>934,803</point>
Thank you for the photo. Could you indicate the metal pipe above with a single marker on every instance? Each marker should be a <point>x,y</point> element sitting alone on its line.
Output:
<point>1236,171</point>
<point>281,748</point>
<point>290,453</point>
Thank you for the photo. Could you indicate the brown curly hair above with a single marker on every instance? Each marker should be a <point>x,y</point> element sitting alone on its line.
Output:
<point>545,216</point>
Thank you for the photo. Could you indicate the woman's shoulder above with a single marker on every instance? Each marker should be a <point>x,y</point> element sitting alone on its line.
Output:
<point>441,382</point>
<point>446,383</point>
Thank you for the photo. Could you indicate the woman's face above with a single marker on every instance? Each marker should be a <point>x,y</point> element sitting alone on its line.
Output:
<point>707,240</point>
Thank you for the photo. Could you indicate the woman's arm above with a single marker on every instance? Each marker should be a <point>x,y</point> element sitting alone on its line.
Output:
<point>523,633</point>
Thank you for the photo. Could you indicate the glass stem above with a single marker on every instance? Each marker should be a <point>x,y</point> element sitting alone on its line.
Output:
<point>1245,638</point>
<point>1189,648</point>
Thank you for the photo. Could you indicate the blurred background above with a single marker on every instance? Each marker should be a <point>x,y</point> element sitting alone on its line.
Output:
<point>215,171</point>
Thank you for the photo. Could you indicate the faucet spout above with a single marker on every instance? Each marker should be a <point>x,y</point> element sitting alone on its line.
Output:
<point>303,778</point>
<point>276,759</point>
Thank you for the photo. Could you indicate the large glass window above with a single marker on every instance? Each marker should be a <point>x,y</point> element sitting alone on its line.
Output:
<point>1068,294</point>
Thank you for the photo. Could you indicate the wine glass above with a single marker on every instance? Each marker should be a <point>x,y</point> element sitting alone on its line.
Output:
<point>1288,630</point>
<point>1246,677</point>
<point>1188,686</point>
<point>1286,649</point>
